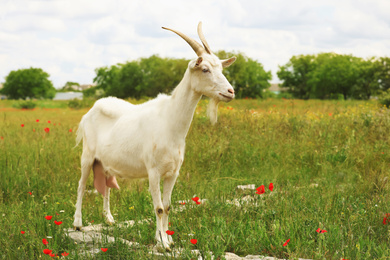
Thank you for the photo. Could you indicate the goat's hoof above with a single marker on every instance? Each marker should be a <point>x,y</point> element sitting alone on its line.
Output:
<point>77,228</point>
<point>163,248</point>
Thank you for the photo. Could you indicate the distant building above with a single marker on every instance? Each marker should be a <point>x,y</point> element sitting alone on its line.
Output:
<point>75,87</point>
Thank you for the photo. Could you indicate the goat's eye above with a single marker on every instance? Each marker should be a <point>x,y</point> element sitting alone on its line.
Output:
<point>205,70</point>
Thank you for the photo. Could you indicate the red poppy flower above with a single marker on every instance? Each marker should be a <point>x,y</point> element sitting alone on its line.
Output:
<point>194,241</point>
<point>49,121</point>
<point>70,130</point>
<point>195,199</point>
<point>48,217</point>
<point>22,125</point>
<point>170,233</point>
<point>386,218</point>
<point>271,186</point>
<point>65,254</point>
<point>47,129</point>
<point>260,190</point>
<point>44,241</point>
<point>22,232</point>
<point>182,203</point>
<point>321,231</point>
<point>104,249</point>
<point>30,192</point>
<point>47,251</point>
<point>57,222</point>
<point>2,138</point>
<point>285,243</point>
<point>53,255</point>
<point>37,120</point>
<point>197,202</point>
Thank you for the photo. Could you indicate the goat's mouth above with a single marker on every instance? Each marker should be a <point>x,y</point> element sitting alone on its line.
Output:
<point>230,97</point>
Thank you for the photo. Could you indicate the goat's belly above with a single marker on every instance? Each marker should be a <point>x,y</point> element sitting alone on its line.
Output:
<point>129,172</point>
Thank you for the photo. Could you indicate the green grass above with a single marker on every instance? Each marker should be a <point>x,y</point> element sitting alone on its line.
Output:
<point>328,160</point>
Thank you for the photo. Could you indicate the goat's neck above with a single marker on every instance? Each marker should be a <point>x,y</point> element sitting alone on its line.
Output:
<point>182,107</point>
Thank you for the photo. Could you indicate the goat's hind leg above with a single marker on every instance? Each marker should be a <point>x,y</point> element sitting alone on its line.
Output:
<point>86,165</point>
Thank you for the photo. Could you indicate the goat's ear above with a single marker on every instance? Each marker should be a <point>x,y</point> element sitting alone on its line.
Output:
<point>198,61</point>
<point>195,63</point>
<point>212,110</point>
<point>228,62</point>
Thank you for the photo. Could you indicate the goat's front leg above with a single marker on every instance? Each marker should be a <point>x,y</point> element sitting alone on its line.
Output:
<point>169,182</point>
<point>154,188</point>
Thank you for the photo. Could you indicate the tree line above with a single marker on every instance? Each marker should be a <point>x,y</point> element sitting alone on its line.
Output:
<point>335,76</point>
<point>320,76</point>
<point>147,77</point>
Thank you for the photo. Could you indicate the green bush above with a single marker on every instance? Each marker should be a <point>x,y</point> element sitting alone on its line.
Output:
<point>80,103</point>
<point>384,98</point>
<point>28,104</point>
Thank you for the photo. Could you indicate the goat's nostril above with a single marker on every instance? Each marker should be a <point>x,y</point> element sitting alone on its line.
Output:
<point>231,91</point>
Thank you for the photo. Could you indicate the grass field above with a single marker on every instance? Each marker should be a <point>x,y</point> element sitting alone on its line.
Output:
<point>329,162</point>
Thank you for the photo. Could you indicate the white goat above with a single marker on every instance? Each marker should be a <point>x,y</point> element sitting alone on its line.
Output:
<point>148,140</point>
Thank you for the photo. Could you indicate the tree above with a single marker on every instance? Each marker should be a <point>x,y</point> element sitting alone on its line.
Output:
<point>161,75</point>
<point>70,86</point>
<point>384,73</point>
<point>296,73</point>
<point>28,83</point>
<point>334,74</point>
<point>247,76</point>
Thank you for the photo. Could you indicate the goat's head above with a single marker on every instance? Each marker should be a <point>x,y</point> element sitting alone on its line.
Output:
<point>206,73</point>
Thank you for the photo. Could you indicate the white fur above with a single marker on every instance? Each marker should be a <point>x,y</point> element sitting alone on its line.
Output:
<point>148,140</point>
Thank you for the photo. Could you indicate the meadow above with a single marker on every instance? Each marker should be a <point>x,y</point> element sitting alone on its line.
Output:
<point>329,162</point>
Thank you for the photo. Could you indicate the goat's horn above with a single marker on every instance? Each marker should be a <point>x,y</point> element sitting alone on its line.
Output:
<point>199,50</point>
<point>203,39</point>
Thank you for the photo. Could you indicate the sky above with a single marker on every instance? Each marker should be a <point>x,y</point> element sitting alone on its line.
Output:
<point>69,39</point>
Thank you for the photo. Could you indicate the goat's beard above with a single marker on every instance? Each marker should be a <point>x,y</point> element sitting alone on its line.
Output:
<point>212,110</point>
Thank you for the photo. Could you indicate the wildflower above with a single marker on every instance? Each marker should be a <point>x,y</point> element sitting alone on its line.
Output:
<point>70,131</point>
<point>194,241</point>
<point>49,121</point>
<point>131,208</point>
<point>65,254</point>
<point>2,138</point>
<point>30,193</point>
<point>260,190</point>
<point>47,130</point>
<point>22,125</point>
<point>170,233</point>
<point>57,222</point>
<point>47,251</point>
<point>330,114</point>
<point>44,241</point>
<point>285,243</point>
<point>271,186</point>
<point>197,202</point>
<point>182,203</point>
<point>22,232</point>
<point>195,199</point>
<point>48,217</point>
<point>386,218</point>
<point>104,249</point>
<point>320,231</point>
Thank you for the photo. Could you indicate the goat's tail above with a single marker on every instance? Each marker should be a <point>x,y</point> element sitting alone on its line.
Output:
<point>79,133</point>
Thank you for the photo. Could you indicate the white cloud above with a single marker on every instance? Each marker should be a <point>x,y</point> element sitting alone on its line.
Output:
<point>70,38</point>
